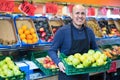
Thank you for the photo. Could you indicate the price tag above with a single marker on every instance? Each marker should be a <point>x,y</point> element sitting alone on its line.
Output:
<point>113,67</point>
<point>27,8</point>
<point>7,6</point>
<point>115,11</point>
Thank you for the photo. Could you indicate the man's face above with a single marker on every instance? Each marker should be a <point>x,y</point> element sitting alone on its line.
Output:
<point>79,16</point>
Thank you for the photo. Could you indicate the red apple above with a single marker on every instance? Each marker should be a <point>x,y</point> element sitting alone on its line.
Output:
<point>41,29</point>
<point>52,63</point>
<point>54,30</point>
<point>43,34</point>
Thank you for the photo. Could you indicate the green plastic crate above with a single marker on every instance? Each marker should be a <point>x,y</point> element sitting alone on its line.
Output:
<point>40,54</point>
<point>15,77</point>
<point>71,70</point>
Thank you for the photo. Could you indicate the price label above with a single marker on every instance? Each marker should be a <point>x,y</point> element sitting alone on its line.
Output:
<point>27,8</point>
<point>7,6</point>
<point>113,67</point>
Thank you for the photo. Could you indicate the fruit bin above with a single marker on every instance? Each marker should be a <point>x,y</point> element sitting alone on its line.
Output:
<point>55,24</point>
<point>112,51</point>
<point>8,37</point>
<point>92,23</point>
<point>112,27</point>
<point>40,54</point>
<point>12,72</point>
<point>43,30</point>
<point>26,30</point>
<point>71,70</point>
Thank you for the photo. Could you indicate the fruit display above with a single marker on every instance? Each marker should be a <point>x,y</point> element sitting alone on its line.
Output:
<point>117,24</point>
<point>92,23</point>
<point>8,70</point>
<point>92,61</point>
<point>43,30</point>
<point>47,62</point>
<point>112,51</point>
<point>67,20</point>
<point>44,62</point>
<point>104,26</point>
<point>112,28</point>
<point>92,58</point>
<point>27,34</point>
<point>7,31</point>
<point>55,24</point>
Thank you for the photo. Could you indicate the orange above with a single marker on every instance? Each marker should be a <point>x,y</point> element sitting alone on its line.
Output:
<point>34,40</point>
<point>24,27</point>
<point>32,30</point>
<point>22,36</point>
<point>26,32</point>
<point>29,41</point>
<point>20,31</point>
<point>34,35</point>
<point>24,40</point>
<point>29,36</point>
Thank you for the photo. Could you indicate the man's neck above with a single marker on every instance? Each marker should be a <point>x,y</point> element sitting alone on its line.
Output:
<point>77,26</point>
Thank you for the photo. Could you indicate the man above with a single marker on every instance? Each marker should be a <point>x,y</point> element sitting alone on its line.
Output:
<point>72,38</point>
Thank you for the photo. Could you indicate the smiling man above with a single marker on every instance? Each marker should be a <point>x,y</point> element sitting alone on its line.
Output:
<point>73,38</point>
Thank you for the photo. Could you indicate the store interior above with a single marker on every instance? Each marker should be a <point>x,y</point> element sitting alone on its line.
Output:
<point>28,28</point>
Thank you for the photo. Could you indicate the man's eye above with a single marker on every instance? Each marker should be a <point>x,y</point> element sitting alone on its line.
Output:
<point>82,13</point>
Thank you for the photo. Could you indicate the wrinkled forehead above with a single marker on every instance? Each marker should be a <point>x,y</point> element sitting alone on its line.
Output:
<point>78,8</point>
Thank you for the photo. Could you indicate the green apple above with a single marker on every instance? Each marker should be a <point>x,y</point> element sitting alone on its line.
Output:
<point>91,51</point>
<point>100,62</point>
<point>77,55</point>
<point>80,66</point>
<point>75,61</point>
<point>103,56</point>
<point>17,72</point>
<point>96,56</point>
<point>98,52</point>
<point>70,58</point>
<point>7,59</point>
<point>86,63</point>
<point>94,65</point>
<point>9,73</point>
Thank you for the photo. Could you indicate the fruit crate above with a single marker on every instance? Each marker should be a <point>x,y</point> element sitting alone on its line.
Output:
<point>21,76</point>
<point>8,37</point>
<point>113,50</point>
<point>40,54</point>
<point>43,30</point>
<point>71,70</point>
<point>26,30</point>
<point>55,24</point>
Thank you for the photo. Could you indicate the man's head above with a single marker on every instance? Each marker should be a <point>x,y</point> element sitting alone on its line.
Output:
<point>78,15</point>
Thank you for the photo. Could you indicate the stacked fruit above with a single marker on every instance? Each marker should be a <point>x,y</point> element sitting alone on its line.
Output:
<point>112,52</point>
<point>43,30</point>
<point>27,34</point>
<point>47,62</point>
<point>90,59</point>
<point>8,68</point>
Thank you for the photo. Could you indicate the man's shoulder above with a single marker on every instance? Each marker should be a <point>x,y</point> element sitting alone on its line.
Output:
<point>65,27</point>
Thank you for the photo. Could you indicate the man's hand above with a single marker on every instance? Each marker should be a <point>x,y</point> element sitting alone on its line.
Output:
<point>61,67</point>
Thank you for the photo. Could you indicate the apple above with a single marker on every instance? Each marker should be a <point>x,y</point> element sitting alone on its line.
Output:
<point>51,63</point>
<point>90,51</point>
<point>100,62</point>
<point>80,66</point>
<point>70,58</point>
<point>82,58</point>
<point>7,59</point>
<point>103,56</point>
<point>75,61</point>
<point>77,55</point>
<point>86,63</point>
<point>9,73</point>
<point>94,65</point>
<point>54,30</point>
<point>43,34</point>
<point>41,29</point>
<point>53,67</point>
<point>16,72</point>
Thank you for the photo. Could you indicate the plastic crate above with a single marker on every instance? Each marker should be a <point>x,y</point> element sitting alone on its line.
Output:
<point>14,77</point>
<point>40,54</point>
<point>71,70</point>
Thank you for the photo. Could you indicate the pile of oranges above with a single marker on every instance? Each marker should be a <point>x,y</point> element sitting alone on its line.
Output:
<point>27,34</point>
